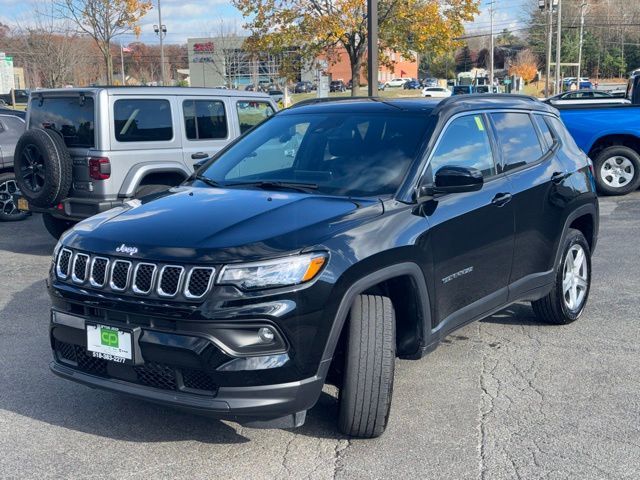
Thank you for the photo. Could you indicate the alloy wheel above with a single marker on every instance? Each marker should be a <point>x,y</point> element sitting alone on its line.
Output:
<point>33,169</point>
<point>575,279</point>
<point>617,172</point>
<point>7,204</point>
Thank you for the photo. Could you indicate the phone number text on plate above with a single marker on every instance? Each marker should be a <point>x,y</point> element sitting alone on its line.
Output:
<point>106,356</point>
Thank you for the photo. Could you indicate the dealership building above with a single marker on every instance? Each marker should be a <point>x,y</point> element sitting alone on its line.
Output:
<point>223,61</point>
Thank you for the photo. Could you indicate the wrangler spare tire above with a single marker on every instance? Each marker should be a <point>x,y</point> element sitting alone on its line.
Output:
<point>43,167</point>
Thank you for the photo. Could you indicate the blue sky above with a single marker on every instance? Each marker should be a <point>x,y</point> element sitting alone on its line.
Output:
<point>197,18</point>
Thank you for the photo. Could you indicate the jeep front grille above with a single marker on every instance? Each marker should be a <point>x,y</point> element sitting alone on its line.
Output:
<point>130,277</point>
<point>170,278</point>
<point>80,267</point>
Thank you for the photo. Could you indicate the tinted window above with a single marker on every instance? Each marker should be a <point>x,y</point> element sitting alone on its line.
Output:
<point>544,129</point>
<point>517,138</point>
<point>342,153</point>
<point>147,120</point>
<point>252,113</point>
<point>465,143</point>
<point>204,119</point>
<point>68,115</point>
<point>13,124</point>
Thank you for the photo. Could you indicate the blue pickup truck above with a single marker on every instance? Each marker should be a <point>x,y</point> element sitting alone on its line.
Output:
<point>610,135</point>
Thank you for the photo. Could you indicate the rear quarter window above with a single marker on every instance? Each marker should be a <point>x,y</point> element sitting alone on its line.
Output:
<point>142,120</point>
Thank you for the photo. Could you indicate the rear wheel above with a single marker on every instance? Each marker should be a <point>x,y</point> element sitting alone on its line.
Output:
<point>365,396</point>
<point>8,206</point>
<point>56,226</point>
<point>617,170</point>
<point>566,301</point>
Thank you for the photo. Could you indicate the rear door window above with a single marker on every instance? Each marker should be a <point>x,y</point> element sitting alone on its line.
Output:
<point>142,120</point>
<point>251,113</point>
<point>204,119</point>
<point>72,117</point>
<point>517,138</point>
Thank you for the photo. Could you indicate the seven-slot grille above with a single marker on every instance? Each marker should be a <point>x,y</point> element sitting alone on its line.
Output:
<point>139,278</point>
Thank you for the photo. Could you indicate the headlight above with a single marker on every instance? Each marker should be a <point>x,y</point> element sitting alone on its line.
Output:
<point>274,273</point>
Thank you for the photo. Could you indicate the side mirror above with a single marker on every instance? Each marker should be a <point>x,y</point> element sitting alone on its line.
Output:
<point>451,179</point>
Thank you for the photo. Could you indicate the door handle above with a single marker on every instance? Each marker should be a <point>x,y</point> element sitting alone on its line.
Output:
<point>558,177</point>
<point>200,155</point>
<point>501,199</point>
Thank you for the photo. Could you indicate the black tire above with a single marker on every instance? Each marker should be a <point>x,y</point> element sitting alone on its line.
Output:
<point>8,209</point>
<point>56,226</point>
<point>553,307</point>
<point>43,167</point>
<point>614,155</point>
<point>365,396</point>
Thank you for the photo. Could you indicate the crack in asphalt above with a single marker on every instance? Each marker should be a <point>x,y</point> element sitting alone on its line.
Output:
<point>338,454</point>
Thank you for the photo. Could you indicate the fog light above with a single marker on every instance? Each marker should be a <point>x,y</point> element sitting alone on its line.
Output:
<point>254,363</point>
<point>266,334</point>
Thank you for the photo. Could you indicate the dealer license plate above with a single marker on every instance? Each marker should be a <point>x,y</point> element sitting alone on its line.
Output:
<point>23,205</point>
<point>109,343</point>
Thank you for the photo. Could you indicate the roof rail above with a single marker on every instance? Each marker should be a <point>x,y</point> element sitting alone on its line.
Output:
<point>314,101</point>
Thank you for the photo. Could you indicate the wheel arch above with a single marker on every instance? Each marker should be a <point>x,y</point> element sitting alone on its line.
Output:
<point>390,279</point>
<point>150,171</point>
<point>585,219</point>
<point>617,139</point>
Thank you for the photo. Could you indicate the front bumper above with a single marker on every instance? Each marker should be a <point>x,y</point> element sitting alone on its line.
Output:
<point>182,369</point>
<point>282,405</point>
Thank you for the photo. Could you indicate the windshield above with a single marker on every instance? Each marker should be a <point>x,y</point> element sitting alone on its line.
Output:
<point>346,154</point>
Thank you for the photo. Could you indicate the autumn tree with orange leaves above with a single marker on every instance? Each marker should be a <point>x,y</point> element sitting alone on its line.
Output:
<point>103,20</point>
<point>525,65</point>
<point>315,27</point>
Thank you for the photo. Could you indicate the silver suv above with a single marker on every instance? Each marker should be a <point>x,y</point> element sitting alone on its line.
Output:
<point>87,150</point>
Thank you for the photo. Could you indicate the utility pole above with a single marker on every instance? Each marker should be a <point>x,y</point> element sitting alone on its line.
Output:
<point>558,87</point>
<point>491,52</point>
<point>124,80</point>
<point>372,48</point>
<point>161,31</point>
<point>547,7</point>
<point>582,9</point>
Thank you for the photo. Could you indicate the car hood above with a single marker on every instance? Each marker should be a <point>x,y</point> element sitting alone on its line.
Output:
<point>220,225</point>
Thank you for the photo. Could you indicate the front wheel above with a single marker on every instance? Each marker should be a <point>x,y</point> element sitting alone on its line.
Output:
<point>617,170</point>
<point>367,387</point>
<point>566,301</point>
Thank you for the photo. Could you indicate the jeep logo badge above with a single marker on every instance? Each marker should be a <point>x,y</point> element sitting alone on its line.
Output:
<point>124,249</point>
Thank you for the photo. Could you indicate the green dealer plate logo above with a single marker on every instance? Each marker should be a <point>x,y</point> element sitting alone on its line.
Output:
<point>109,338</point>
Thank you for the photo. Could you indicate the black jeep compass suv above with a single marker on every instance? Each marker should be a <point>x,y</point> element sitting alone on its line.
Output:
<point>326,242</point>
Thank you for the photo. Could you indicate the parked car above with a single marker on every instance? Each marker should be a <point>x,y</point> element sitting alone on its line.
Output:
<point>99,147</point>
<point>11,127</point>
<point>302,87</point>
<point>436,92</point>
<point>326,242</point>
<point>583,96</point>
<point>610,134</point>
<point>396,82</point>
<point>337,86</point>
<point>21,97</point>
<point>412,85</point>
<point>430,82</point>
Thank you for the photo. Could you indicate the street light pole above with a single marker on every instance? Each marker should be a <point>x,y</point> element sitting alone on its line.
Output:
<point>372,48</point>
<point>161,30</point>
<point>582,9</point>
<point>558,87</point>
<point>491,52</point>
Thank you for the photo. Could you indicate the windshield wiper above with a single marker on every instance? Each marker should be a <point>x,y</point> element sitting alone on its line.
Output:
<point>208,181</point>
<point>273,185</point>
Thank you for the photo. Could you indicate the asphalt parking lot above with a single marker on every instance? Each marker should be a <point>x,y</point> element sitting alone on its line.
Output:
<point>503,398</point>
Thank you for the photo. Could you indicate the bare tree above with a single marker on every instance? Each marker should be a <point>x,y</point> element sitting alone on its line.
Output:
<point>49,48</point>
<point>104,20</point>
